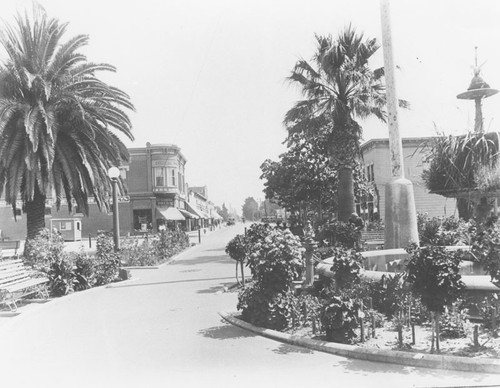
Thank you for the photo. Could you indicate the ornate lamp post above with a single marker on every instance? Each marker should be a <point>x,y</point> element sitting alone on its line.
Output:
<point>113,174</point>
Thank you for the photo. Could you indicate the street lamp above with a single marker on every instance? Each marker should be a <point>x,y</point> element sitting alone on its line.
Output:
<point>113,174</point>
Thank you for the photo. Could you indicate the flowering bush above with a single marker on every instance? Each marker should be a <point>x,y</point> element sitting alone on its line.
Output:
<point>276,260</point>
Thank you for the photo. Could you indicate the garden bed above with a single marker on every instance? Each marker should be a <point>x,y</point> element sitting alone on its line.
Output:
<point>386,338</point>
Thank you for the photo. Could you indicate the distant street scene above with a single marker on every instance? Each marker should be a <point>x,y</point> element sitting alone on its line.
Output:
<point>232,193</point>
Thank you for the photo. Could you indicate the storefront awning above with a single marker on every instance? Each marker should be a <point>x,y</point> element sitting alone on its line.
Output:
<point>199,213</point>
<point>216,216</point>
<point>188,214</point>
<point>170,213</point>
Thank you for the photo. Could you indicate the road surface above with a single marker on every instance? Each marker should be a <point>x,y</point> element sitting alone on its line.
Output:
<point>161,329</point>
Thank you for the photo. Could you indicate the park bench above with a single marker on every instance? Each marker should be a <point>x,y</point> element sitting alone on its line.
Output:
<point>10,244</point>
<point>17,282</point>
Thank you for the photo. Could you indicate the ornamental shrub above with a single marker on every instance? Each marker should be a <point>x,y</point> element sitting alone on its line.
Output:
<point>486,249</point>
<point>236,248</point>
<point>347,264</point>
<point>84,270</point>
<point>61,277</point>
<point>276,260</point>
<point>107,260</point>
<point>337,233</point>
<point>265,307</point>
<point>339,319</point>
<point>433,274</point>
<point>43,250</point>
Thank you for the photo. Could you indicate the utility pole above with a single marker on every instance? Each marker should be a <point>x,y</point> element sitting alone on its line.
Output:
<point>400,212</point>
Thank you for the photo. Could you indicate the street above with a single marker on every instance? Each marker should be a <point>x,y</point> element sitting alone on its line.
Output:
<point>162,329</point>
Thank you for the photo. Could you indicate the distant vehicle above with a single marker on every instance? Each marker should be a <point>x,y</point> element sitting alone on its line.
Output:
<point>231,221</point>
<point>268,219</point>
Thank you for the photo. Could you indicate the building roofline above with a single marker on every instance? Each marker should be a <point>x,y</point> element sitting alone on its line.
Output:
<point>406,140</point>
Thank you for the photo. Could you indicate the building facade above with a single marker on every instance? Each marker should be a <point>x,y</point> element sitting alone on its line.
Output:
<point>376,160</point>
<point>156,196</point>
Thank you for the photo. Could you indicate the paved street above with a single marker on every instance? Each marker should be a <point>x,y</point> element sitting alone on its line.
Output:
<point>162,329</point>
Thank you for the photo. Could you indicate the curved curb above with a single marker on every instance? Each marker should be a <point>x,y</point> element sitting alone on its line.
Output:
<point>421,360</point>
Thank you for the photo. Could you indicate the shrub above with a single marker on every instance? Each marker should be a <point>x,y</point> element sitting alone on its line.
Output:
<point>236,248</point>
<point>454,322</point>
<point>276,260</point>
<point>43,250</point>
<point>61,277</point>
<point>107,260</point>
<point>433,273</point>
<point>307,311</point>
<point>486,249</point>
<point>84,270</point>
<point>343,234</point>
<point>339,319</point>
<point>442,231</point>
<point>347,264</point>
<point>266,308</point>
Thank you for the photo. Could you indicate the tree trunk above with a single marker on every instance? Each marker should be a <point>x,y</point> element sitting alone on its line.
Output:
<point>345,194</point>
<point>35,214</point>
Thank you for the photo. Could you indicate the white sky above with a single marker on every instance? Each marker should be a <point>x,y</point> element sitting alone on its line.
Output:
<point>209,75</point>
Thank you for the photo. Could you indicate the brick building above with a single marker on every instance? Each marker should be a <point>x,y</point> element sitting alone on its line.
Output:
<point>155,178</point>
<point>376,159</point>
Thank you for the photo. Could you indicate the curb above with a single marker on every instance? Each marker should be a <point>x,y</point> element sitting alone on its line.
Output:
<point>421,360</point>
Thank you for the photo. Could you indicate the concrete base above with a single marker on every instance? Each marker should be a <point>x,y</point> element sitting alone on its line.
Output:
<point>400,214</point>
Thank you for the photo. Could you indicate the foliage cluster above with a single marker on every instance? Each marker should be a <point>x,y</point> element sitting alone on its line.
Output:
<point>275,260</point>
<point>155,250</point>
<point>73,271</point>
<point>443,231</point>
<point>458,163</point>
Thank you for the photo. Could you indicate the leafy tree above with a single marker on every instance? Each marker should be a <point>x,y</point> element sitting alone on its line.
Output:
<point>433,273</point>
<point>251,209</point>
<point>223,212</point>
<point>305,178</point>
<point>338,88</point>
<point>57,119</point>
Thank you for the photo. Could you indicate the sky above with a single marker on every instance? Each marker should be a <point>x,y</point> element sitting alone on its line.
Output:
<point>210,75</point>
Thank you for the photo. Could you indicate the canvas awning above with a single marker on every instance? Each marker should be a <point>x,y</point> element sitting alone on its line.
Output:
<point>192,209</point>
<point>170,213</point>
<point>216,216</point>
<point>188,214</point>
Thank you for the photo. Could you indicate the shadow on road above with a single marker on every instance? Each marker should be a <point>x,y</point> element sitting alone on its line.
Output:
<point>287,349</point>
<point>226,332</point>
<point>167,282</point>
<point>204,260</point>
<point>214,289</point>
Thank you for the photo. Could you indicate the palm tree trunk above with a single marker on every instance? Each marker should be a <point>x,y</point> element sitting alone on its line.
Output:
<point>345,194</point>
<point>35,214</point>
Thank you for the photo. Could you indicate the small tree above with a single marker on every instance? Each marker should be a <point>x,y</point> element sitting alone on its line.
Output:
<point>433,275</point>
<point>236,249</point>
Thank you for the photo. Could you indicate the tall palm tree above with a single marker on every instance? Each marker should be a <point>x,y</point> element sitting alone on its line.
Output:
<point>57,119</point>
<point>338,88</point>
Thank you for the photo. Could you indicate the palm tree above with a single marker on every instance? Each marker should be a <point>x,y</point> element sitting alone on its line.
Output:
<point>338,88</point>
<point>57,120</point>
